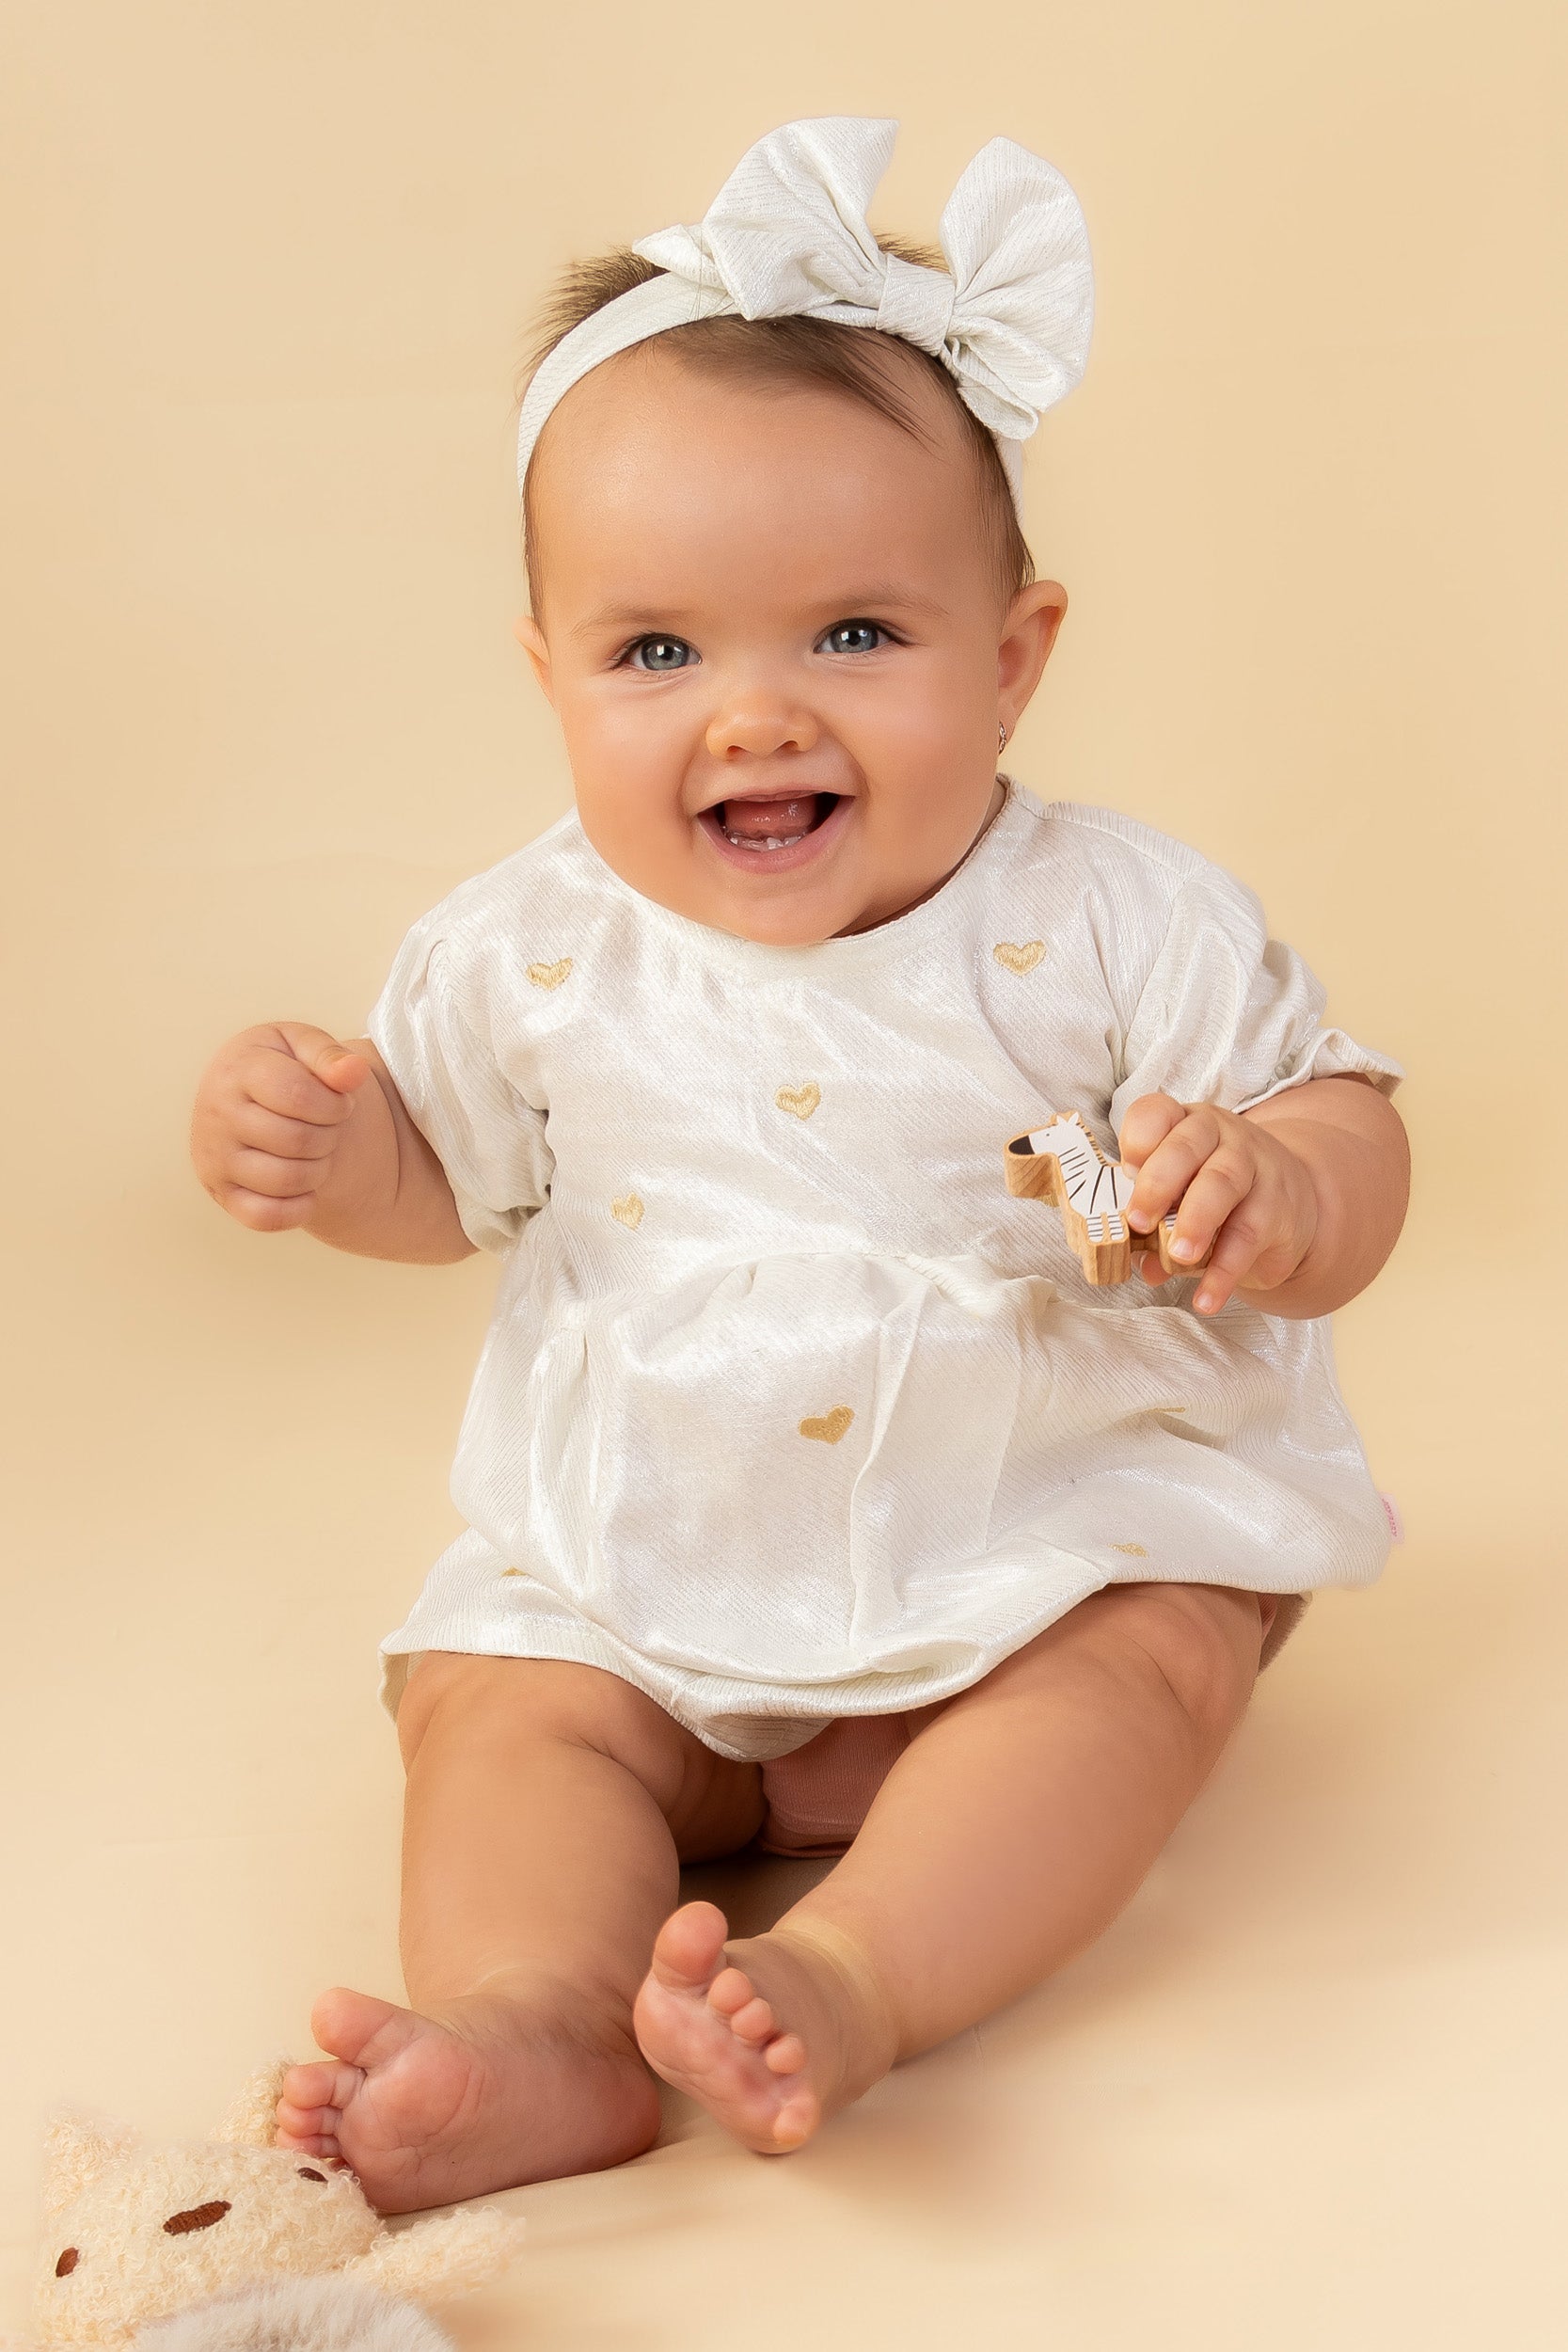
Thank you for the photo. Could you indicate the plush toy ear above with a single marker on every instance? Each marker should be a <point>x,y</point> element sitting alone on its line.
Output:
<point>434,2259</point>
<point>76,2150</point>
<point>250,2120</point>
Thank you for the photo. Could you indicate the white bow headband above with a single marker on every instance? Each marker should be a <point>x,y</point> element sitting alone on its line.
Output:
<point>787,237</point>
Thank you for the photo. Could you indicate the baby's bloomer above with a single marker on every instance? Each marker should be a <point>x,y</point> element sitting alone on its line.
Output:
<point>815,1420</point>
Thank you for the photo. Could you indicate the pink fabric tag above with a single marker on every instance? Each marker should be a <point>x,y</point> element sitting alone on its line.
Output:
<point>1396,1525</point>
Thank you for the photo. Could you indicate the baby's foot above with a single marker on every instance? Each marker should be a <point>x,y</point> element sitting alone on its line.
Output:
<point>486,2095</point>
<point>770,2049</point>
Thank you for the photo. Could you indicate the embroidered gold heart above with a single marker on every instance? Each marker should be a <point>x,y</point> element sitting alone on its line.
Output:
<point>829,1427</point>
<point>627,1212</point>
<point>550,974</point>
<point>1016,958</point>
<point>800,1101</point>
<point>1139,1551</point>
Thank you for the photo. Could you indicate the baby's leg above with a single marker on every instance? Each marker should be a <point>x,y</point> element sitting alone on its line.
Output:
<point>548,1806</point>
<point>1012,1830</point>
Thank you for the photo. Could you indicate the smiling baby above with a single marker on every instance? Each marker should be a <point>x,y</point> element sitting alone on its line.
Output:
<point>811,1497</point>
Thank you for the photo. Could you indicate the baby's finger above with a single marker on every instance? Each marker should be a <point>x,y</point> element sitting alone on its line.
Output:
<point>1235,1254</point>
<point>270,1075</point>
<point>336,1065</point>
<point>285,1138</point>
<point>261,1214</point>
<point>1171,1167</point>
<point>1221,1184</point>
<point>1147,1123</point>
<point>275,1179</point>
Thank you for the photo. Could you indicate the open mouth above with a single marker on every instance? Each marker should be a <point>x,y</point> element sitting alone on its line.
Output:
<point>780,831</point>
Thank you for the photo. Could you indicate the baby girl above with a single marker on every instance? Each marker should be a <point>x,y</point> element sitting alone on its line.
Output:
<point>813,1497</point>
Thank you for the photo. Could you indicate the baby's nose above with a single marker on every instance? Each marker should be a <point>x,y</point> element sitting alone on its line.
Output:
<point>757,728</point>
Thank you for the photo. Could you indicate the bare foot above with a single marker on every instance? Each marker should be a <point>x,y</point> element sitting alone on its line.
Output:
<point>486,2095</point>
<point>771,2048</point>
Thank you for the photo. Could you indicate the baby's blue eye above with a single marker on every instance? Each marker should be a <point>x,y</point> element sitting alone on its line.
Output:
<point>661,653</point>
<point>853,637</point>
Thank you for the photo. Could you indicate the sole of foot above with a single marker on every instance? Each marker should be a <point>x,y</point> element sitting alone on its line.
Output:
<point>428,2110</point>
<point>704,2026</point>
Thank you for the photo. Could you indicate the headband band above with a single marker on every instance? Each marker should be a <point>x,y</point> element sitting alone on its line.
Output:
<point>787,237</point>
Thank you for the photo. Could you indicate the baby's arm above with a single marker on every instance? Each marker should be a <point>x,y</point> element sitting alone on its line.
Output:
<point>1306,1192</point>
<point>292,1128</point>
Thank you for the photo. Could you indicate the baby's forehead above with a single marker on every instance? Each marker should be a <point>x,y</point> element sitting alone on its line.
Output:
<point>664,386</point>
<point>653,447</point>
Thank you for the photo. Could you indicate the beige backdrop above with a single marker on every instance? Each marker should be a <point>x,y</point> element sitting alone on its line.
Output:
<point>269,267</point>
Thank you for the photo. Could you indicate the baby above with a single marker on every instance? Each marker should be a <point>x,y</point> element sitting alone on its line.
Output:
<point>813,1497</point>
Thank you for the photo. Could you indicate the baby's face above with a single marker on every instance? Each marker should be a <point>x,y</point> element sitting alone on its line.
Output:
<point>772,631</point>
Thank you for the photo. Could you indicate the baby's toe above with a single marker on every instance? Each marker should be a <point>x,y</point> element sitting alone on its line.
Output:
<point>786,2056</point>
<point>322,2083</point>
<point>322,2144</point>
<point>300,2123</point>
<point>796,2120</point>
<point>752,2023</point>
<point>690,1947</point>
<point>730,1992</point>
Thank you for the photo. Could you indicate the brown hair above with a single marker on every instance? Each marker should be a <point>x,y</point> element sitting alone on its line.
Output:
<point>800,350</point>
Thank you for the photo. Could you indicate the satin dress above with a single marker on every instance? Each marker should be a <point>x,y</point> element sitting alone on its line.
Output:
<point>787,1410</point>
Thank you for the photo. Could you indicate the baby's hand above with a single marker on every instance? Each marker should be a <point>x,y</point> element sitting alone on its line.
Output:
<point>271,1114</point>
<point>1238,1187</point>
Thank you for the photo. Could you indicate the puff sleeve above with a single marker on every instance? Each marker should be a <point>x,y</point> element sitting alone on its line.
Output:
<point>1227,1015</point>
<point>430,1027</point>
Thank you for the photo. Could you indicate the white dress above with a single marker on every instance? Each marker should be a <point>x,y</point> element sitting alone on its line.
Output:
<point>789,1410</point>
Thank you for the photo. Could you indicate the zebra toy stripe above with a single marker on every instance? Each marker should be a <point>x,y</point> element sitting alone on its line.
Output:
<point>1062,1164</point>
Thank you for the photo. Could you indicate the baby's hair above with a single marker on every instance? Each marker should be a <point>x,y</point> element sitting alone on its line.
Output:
<point>851,360</point>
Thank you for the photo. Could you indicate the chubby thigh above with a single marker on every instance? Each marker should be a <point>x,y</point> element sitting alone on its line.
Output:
<point>485,1719</point>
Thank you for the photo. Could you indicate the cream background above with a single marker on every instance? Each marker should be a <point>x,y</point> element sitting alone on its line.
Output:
<point>267,269</point>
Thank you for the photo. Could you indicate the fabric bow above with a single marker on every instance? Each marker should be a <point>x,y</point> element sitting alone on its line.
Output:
<point>1010,316</point>
<point>786,236</point>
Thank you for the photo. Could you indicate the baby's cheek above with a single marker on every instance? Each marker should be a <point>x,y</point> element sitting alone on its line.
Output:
<point>636,822</point>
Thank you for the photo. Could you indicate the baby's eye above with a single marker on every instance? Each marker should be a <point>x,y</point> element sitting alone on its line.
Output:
<point>660,653</point>
<point>854,637</point>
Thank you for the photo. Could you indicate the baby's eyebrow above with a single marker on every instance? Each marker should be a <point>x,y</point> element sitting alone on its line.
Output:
<point>639,617</point>
<point>852,604</point>
<point>885,597</point>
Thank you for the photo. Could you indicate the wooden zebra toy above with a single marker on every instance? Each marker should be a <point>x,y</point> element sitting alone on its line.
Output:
<point>1062,1164</point>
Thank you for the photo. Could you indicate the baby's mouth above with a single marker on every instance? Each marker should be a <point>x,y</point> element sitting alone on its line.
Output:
<point>763,827</point>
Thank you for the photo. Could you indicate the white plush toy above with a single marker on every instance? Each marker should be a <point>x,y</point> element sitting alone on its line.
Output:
<point>297,2315</point>
<point>139,2234</point>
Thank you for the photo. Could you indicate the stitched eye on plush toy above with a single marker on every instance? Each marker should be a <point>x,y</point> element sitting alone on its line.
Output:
<point>67,2262</point>
<point>195,2217</point>
<point>307,2172</point>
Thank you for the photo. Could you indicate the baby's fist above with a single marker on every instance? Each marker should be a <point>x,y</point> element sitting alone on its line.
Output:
<point>270,1115</point>
<point>1234,1186</point>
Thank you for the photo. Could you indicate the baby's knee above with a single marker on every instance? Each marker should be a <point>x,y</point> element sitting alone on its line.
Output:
<point>1196,1645</point>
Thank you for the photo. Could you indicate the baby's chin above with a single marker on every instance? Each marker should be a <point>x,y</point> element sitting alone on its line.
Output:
<point>783,887</point>
<point>799,911</point>
<point>776,897</point>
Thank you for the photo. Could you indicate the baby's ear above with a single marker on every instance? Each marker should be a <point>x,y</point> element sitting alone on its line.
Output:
<point>251,2119</point>
<point>76,2150</point>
